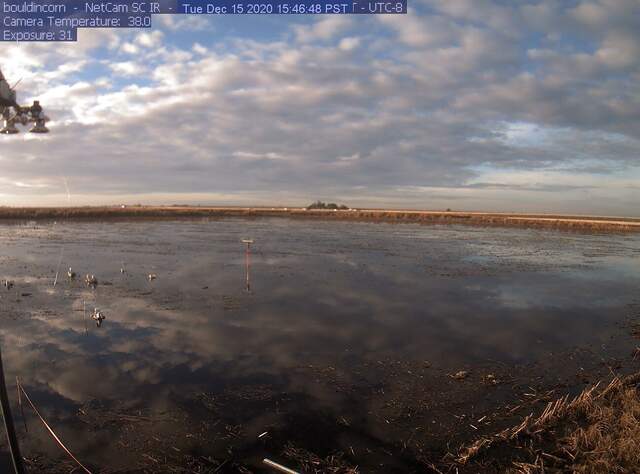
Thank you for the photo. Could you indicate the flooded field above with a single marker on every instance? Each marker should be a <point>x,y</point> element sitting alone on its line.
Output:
<point>379,347</point>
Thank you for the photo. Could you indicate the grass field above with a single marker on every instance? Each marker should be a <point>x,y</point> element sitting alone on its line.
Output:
<point>569,222</point>
<point>597,431</point>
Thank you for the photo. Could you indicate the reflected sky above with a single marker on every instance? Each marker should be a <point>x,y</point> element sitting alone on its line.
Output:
<point>337,295</point>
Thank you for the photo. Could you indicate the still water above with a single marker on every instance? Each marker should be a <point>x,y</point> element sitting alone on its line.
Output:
<point>192,367</point>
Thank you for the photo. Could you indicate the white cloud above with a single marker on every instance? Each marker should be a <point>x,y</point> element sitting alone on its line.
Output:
<point>395,108</point>
<point>129,48</point>
<point>127,68</point>
<point>199,49</point>
<point>151,39</point>
<point>323,29</point>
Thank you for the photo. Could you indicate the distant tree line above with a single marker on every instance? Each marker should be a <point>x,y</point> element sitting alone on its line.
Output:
<point>324,205</point>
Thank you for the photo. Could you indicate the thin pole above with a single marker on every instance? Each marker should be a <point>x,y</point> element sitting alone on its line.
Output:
<point>248,260</point>
<point>84,318</point>
<point>24,420</point>
<point>14,448</point>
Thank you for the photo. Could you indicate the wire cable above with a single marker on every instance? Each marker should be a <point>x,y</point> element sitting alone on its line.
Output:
<point>55,436</point>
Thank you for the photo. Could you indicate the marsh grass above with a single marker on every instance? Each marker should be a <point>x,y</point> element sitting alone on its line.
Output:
<point>597,431</point>
<point>574,223</point>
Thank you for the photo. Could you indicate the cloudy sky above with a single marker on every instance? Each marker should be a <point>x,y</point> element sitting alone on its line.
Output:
<point>463,104</point>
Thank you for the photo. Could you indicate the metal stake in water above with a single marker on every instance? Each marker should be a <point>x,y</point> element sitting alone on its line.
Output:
<point>248,260</point>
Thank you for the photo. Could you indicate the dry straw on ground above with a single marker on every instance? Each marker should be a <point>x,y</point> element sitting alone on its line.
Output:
<point>310,463</point>
<point>597,431</point>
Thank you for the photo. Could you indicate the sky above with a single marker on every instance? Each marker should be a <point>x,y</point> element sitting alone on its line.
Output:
<point>489,105</point>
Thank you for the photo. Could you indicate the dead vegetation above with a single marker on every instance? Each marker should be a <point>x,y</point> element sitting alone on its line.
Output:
<point>597,431</point>
<point>98,417</point>
<point>310,463</point>
<point>574,223</point>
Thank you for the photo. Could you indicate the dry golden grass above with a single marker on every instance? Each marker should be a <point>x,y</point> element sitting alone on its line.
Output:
<point>574,223</point>
<point>596,432</point>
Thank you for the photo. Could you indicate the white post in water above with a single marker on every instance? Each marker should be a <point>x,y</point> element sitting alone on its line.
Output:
<point>247,260</point>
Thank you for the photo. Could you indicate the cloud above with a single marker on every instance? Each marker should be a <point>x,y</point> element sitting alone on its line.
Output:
<point>184,22</point>
<point>323,29</point>
<point>340,105</point>
<point>349,44</point>
<point>151,39</point>
<point>127,68</point>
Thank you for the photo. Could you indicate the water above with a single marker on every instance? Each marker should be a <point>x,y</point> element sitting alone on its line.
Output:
<point>346,327</point>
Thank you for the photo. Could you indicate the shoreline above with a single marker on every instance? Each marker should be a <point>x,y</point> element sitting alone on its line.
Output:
<point>546,221</point>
